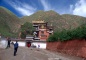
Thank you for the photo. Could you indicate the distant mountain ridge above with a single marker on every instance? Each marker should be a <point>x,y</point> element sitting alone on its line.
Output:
<point>10,23</point>
<point>65,21</point>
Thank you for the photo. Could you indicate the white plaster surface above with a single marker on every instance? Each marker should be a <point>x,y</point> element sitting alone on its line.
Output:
<point>21,43</point>
<point>42,45</point>
<point>3,43</point>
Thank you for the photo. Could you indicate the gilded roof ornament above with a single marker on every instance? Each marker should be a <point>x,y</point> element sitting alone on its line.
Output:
<point>38,21</point>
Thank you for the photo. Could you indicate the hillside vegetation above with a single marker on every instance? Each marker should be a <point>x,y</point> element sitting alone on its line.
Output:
<point>59,22</point>
<point>9,23</point>
<point>64,35</point>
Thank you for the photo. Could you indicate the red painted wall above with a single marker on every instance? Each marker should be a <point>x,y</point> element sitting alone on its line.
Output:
<point>45,33</point>
<point>72,47</point>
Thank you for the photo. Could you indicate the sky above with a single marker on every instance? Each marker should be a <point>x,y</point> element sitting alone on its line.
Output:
<point>28,7</point>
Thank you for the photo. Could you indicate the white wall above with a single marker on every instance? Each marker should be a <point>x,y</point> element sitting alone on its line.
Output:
<point>3,43</point>
<point>42,45</point>
<point>21,43</point>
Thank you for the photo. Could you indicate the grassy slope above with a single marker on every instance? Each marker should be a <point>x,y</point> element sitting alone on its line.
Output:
<point>74,20</point>
<point>58,21</point>
<point>12,21</point>
<point>9,23</point>
<point>50,16</point>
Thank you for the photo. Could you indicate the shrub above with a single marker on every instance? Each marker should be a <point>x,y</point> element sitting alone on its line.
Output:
<point>64,35</point>
<point>84,31</point>
<point>53,38</point>
<point>23,35</point>
<point>28,27</point>
<point>77,33</point>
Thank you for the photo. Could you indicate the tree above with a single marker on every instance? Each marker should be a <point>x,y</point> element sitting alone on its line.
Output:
<point>27,28</point>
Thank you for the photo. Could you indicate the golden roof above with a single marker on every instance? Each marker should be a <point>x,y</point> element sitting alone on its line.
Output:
<point>38,21</point>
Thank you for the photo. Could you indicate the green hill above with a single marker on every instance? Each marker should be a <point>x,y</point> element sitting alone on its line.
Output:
<point>59,22</point>
<point>9,23</point>
<point>74,21</point>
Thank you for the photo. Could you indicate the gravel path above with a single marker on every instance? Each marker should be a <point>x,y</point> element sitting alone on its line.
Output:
<point>25,53</point>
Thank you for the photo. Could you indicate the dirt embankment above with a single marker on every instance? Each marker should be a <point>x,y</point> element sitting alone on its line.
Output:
<point>72,47</point>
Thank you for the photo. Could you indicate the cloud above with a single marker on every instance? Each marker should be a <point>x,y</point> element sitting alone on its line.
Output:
<point>71,9</point>
<point>47,6</point>
<point>79,8</point>
<point>22,7</point>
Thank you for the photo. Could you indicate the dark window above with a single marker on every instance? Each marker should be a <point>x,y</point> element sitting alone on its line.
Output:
<point>42,32</point>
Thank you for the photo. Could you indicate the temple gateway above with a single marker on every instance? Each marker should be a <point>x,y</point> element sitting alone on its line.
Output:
<point>42,30</point>
<point>41,34</point>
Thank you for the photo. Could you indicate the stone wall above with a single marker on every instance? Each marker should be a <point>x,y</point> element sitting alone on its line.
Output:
<point>72,47</point>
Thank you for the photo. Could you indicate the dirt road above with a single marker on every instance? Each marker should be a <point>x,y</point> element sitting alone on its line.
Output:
<point>25,53</point>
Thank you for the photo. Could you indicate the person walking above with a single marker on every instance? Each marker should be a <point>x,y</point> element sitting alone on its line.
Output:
<point>8,40</point>
<point>15,48</point>
<point>0,36</point>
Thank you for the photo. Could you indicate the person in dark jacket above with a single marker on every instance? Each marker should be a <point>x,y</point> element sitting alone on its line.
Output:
<point>15,48</point>
<point>8,40</point>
